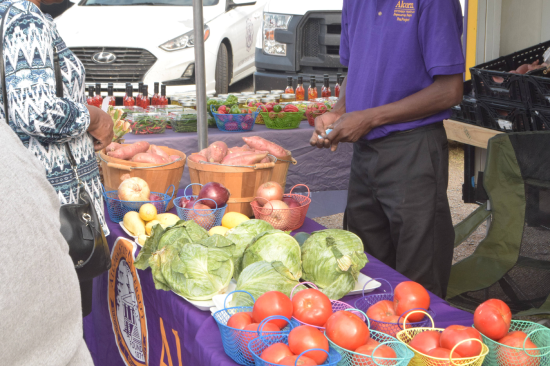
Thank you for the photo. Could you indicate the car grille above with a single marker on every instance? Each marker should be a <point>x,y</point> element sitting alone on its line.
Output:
<point>130,66</point>
<point>310,38</point>
<point>319,40</point>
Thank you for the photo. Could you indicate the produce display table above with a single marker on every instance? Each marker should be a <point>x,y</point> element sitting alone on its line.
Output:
<point>176,332</point>
<point>321,170</point>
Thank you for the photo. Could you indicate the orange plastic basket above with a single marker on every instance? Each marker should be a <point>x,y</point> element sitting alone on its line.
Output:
<point>284,219</point>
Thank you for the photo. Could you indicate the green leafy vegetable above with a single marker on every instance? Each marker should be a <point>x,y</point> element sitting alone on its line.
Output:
<point>151,245</point>
<point>183,232</point>
<point>261,277</point>
<point>332,260</point>
<point>243,234</point>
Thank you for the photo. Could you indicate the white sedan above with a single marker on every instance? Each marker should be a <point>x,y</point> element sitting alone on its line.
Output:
<point>132,41</point>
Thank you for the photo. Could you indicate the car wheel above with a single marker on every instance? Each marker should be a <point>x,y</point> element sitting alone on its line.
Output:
<point>222,70</point>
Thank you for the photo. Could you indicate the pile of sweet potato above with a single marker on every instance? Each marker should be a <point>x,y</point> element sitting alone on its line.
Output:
<point>522,70</point>
<point>140,152</point>
<point>255,150</point>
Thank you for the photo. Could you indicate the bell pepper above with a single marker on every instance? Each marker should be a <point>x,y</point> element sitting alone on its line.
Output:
<point>235,110</point>
<point>290,108</point>
<point>277,108</point>
<point>222,109</point>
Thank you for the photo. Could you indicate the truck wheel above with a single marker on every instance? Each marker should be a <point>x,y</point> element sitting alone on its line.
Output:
<point>222,70</point>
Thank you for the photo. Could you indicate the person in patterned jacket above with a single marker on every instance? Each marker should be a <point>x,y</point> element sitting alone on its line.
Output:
<point>44,122</point>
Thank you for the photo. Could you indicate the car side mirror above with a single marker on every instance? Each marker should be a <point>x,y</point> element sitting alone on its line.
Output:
<point>231,4</point>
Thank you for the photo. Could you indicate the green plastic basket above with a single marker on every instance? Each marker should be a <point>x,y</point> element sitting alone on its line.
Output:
<point>502,355</point>
<point>289,121</point>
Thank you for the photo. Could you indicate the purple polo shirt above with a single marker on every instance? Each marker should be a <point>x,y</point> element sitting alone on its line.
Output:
<point>394,49</point>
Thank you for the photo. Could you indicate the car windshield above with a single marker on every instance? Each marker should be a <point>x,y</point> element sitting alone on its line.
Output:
<point>146,2</point>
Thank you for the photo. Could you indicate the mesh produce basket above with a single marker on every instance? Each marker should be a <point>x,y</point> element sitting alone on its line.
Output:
<point>349,358</point>
<point>258,345</point>
<point>421,359</point>
<point>503,355</point>
<point>284,219</point>
<point>205,218</point>
<point>235,341</point>
<point>282,120</point>
<point>118,208</point>
<point>336,306</point>
<point>365,302</point>
<point>235,122</point>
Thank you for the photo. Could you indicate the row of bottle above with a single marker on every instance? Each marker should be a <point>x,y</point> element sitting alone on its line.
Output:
<point>142,99</point>
<point>312,90</point>
<point>94,95</point>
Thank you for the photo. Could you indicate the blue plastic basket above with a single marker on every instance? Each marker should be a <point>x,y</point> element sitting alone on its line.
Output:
<point>118,208</point>
<point>205,218</point>
<point>365,302</point>
<point>235,122</point>
<point>258,345</point>
<point>235,341</point>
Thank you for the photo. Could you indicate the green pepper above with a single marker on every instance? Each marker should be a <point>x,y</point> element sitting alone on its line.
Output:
<point>231,99</point>
<point>235,110</point>
<point>277,108</point>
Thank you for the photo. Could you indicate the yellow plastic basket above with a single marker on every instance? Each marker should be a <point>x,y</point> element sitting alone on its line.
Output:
<point>421,359</point>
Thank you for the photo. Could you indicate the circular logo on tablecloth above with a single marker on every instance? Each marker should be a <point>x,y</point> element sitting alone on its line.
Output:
<point>126,306</point>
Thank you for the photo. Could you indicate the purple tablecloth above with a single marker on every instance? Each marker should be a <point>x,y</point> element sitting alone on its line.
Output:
<point>197,331</point>
<point>321,170</point>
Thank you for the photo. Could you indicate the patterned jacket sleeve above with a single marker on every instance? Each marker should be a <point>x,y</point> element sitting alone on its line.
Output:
<point>30,78</point>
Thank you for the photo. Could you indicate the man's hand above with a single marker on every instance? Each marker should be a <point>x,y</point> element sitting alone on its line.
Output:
<point>101,128</point>
<point>321,124</point>
<point>351,127</point>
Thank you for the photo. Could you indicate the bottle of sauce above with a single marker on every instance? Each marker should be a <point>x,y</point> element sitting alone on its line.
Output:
<point>162,99</point>
<point>145,97</point>
<point>91,100</point>
<point>312,90</point>
<point>325,90</point>
<point>110,95</point>
<point>98,97</point>
<point>289,89</point>
<point>300,92</point>
<point>337,86</point>
<point>156,96</point>
<point>139,94</point>
<point>129,100</point>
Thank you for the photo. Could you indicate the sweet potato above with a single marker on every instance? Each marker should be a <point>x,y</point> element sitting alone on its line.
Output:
<point>174,157</point>
<point>129,151</point>
<point>202,152</point>
<point>216,151</point>
<point>149,158</point>
<point>236,149</point>
<point>113,146</point>
<point>523,69</point>
<point>197,158</point>
<point>258,143</point>
<point>243,159</point>
<point>154,149</point>
<point>265,160</point>
<point>246,147</point>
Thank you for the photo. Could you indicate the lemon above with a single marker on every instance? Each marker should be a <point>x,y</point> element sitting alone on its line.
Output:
<point>167,219</point>
<point>233,219</point>
<point>148,212</point>
<point>218,230</point>
<point>149,226</point>
<point>142,239</point>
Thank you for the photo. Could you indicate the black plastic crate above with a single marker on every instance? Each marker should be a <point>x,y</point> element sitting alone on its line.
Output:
<point>538,90</point>
<point>541,119</point>
<point>466,111</point>
<point>506,117</point>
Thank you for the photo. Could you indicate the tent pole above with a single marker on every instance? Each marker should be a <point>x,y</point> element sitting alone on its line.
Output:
<point>200,77</point>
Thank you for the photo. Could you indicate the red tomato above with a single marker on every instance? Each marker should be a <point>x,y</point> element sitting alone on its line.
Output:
<point>246,337</point>
<point>303,338</point>
<point>239,320</point>
<point>276,352</point>
<point>516,334</point>
<point>426,341</point>
<point>382,352</point>
<point>347,330</point>
<point>410,295</point>
<point>453,334</point>
<point>395,327</point>
<point>516,357</point>
<point>311,306</point>
<point>493,318</point>
<point>291,361</point>
<point>272,303</point>
<point>444,353</point>
<point>381,310</point>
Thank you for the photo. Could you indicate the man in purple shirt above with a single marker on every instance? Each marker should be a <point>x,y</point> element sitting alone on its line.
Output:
<point>405,66</point>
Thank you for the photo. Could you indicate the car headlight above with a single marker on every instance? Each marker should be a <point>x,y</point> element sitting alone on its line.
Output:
<point>272,22</point>
<point>186,40</point>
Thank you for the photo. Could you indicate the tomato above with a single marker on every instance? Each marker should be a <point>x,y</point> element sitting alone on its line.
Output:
<point>493,318</point>
<point>410,295</point>
<point>303,338</point>
<point>347,330</point>
<point>246,337</point>
<point>395,327</point>
<point>291,361</point>
<point>239,320</point>
<point>426,341</point>
<point>518,357</point>
<point>272,303</point>
<point>311,306</point>
<point>516,334</point>
<point>444,353</point>
<point>276,352</point>
<point>453,334</point>
<point>381,310</point>
<point>367,360</point>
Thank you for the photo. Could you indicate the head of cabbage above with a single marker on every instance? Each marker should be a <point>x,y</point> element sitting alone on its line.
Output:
<point>270,246</point>
<point>332,260</point>
<point>243,234</point>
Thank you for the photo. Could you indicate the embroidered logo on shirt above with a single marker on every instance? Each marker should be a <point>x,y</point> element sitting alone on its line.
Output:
<point>404,11</point>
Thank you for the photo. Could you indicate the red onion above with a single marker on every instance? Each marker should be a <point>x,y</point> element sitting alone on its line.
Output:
<point>215,191</point>
<point>291,202</point>
<point>188,202</point>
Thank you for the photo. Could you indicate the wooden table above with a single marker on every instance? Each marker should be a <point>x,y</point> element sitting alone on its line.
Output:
<point>468,134</point>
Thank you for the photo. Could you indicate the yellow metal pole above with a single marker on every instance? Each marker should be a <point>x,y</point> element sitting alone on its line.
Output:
<point>471,40</point>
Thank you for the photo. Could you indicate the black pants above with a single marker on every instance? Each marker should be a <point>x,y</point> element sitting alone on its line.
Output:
<point>397,203</point>
<point>86,293</point>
